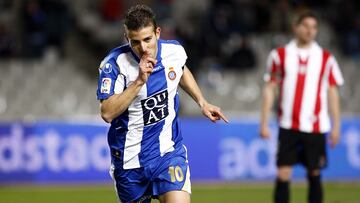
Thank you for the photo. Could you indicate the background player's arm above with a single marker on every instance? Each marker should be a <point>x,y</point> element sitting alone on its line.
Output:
<point>116,104</point>
<point>334,104</point>
<point>189,85</point>
<point>269,92</point>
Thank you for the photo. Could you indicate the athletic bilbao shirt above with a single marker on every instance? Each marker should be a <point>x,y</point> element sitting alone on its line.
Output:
<point>149,128</point>
<point>304,76</point>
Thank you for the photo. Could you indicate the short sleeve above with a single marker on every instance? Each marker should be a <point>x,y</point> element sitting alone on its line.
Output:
<point>175,51</point>
<point>273,67</point>
<point>110,79</point>
<point>183,56</point>
<point>335,75</point>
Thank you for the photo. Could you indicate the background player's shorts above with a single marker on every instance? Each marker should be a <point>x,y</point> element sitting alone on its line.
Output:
<point>308,149</point>
<point>167,173</point>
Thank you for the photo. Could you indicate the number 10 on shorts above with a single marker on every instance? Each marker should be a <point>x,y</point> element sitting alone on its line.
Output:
<point>176,174</point>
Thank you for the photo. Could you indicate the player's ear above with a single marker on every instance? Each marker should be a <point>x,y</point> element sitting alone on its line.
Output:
<point>157,32</point>
<point>126,31</point>
<point>125,36</point>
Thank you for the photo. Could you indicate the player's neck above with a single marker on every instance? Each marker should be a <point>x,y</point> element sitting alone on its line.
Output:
<point>303,44</point>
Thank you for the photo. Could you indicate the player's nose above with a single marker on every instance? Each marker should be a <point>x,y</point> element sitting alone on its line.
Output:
<point>143,47</point>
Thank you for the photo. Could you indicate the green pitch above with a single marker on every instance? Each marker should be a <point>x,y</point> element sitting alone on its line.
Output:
<point>243,193</point>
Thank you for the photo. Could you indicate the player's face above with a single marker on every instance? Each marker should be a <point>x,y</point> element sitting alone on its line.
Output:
<point>144,40</point>
<point>306,31</point>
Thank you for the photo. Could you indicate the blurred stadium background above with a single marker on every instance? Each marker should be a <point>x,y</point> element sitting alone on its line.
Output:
<point>53,142</point>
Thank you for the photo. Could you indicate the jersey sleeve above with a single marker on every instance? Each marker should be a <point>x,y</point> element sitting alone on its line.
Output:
<point>182,56</point>
<point>110,80</point>
<point>335,75</point>
<point>172,49</point>
<point>273,67</point>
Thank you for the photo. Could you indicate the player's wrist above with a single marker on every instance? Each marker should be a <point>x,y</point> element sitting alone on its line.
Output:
<point>139,82</point>
<point>202,103</point>
<point>335,128</point>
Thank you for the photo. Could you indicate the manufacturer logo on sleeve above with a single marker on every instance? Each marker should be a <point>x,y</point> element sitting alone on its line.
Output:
<point>105,85</point>
<point>155,108</point>
<point>108,68</point>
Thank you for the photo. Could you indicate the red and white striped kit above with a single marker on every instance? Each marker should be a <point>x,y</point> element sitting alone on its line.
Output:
<point>304,76</point>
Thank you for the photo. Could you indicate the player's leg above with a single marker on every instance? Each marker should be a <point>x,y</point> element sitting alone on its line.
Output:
<point>175,197</point>
<point>315,190</point>
<point>286,158</point>
<point>315,159</point>
<point>282,184</point>
<point>172,178</point>
<point>131,185</point>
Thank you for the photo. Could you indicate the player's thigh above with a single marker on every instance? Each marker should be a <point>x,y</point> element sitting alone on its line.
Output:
<point>173,174</point>
<point>175,197</point>
<point>287,153</point>
<point>131,185</point>
<point>315,156</point>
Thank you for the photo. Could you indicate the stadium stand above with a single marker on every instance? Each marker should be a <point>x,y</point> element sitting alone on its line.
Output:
<point>54,86</point>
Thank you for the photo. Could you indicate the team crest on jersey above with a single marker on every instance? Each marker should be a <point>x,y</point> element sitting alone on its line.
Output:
<point>107,68</point>
<point>172,73</point>
<point>155,108</point>
<point>105,85</point>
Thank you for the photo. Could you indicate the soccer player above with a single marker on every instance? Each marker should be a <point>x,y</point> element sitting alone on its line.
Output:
<point>138,95</point>
<point>308,77</point>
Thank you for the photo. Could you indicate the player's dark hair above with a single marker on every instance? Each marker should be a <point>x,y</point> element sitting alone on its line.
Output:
<point>138,17</point>
<point>306,14</point>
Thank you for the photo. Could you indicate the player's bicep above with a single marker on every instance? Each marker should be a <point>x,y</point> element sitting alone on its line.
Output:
<point>335,75</point>
<point>109,81</point>
<point>273,69</point>
<point>185,76</point>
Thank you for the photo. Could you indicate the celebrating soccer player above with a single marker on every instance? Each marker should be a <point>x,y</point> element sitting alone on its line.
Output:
<point>138,91</point>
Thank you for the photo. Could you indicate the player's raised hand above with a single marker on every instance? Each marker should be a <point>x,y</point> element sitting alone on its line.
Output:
<point>213,113</point>
<point>146,66</point>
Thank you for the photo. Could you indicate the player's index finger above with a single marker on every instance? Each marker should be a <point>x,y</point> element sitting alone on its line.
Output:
<point>145,55</point>
<point>151,59</point>
<point>222,116</point>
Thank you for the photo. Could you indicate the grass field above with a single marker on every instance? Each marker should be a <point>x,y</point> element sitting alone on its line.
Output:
<point>242,193</point>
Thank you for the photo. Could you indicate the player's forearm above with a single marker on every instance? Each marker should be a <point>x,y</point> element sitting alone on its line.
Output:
<point>118,103</point>
<point>268,101</point>
<point>189,85</point>
<point>334,103</point>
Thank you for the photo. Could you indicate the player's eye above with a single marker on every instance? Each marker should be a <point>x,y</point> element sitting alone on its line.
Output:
<point>134,42</point>
<point>148,39</point>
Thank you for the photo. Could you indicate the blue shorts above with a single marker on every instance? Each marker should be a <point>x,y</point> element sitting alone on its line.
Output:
<point>167,173</point>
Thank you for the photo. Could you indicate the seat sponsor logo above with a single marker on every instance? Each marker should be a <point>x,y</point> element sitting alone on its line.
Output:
<point>155,108</point>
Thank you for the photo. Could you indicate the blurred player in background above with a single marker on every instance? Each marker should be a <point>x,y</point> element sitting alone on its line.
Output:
<point>308,78</point>
<point>137,89</point>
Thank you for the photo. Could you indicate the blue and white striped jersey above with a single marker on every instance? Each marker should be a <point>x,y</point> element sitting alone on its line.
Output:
<point>149,128</point>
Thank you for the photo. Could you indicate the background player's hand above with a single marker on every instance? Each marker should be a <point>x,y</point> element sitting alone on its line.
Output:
<point>334,138</point>
<point>146,67</point>
<point>265,132</point>
<point>213,113</point>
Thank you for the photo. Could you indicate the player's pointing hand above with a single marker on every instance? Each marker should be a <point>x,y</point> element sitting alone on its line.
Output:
<point>213,113</point>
